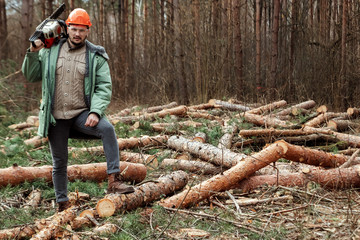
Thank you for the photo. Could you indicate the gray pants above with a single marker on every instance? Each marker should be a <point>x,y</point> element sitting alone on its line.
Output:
<point>58,138</point>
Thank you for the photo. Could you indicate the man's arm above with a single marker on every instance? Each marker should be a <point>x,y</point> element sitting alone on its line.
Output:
<point>31,66</point>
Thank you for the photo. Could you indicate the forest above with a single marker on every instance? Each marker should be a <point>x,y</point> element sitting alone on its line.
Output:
<point>236,119</point>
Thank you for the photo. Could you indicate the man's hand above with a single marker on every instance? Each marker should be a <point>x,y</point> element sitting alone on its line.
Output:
<point>92,120</point>
<point>39,45</point>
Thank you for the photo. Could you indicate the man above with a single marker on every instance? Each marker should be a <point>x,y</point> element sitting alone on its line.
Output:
<point>76,90</point>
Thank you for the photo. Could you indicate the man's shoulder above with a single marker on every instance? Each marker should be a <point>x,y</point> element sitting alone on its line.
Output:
<point>97,49</point>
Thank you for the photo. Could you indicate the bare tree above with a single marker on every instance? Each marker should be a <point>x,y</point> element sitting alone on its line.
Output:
<point>274,49</point>
<point>4,33</point>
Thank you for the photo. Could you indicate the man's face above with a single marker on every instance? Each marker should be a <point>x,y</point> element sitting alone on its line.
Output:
<point>78,34</point>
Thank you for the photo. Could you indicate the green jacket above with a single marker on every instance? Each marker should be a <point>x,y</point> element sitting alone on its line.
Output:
<point>41,65</point>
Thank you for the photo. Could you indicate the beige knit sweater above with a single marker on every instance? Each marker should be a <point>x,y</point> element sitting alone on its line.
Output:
<point>69,90</point>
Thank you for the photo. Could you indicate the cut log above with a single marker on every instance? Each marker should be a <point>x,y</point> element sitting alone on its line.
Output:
<point>273,132</point>
<point>207,152</point>
<point>202,115</point>
<point>145,194</point>
<point>200,137</point>
<point>264,120</point>
<point>227,179</point>
<point>229,106</point>
<point>94,172</point>
<point>352,140</point>
<point>198,167</point>
<point>322,109</point>
<point>304,105</point>
<point>313,157</point>
<point>34,199</point>
<point>353,112</point>
<point>173,127</point>
<point>316,122</point>
<point>159,108</point>
<point>178,111</point>
<point>299,111</point>
<point>342,125</point>
<point>127,143</point>
<point>226,140</point>
<point>200,106</point>
<point>268,108</point>
<point>332,178</point>
<point>19,126</point>
<point>56,224</point>
<point>36,141</point>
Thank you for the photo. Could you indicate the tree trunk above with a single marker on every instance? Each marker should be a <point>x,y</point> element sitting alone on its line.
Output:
<point>305,105</point>
<point>265,120</point>
<point>333,179</point>
<point>258,48</point>
<point>268,107</point>
<point>146,193</point>
<point>229,106</point>
<point>274,50</point>
<point>127,143</point>
<point>93,172</point>
<point>4,47</point>
<point>226,140</point>
<point>238,51</point>
<point>200,91</point>
<point>228,179</point>
<point>207,152</point>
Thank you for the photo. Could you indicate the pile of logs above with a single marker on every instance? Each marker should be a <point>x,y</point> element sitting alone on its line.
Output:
<point>278,130</point>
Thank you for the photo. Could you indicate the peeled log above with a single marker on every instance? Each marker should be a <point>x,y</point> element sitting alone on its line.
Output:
<point>146,193</point>
<point>313,157</point>
<point>332,178</point>
<point>95,172</point>
<point>228,179</point>
<point>208,152</point>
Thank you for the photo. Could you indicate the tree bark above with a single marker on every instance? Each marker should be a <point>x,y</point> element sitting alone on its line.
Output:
<point>272,132</point>
<point>226,140</point>
<point>315,122</point>
<point>208,152</point>
<point>342,125</point>
<point>258,48</point>
<point>4,43</point>
<point>266,121</point>
<point>274,49</point>
<point>228,179</point>
<point>229,106</point>
<point>146,193</point>
<point>93,172</point>
<point>238,51</point>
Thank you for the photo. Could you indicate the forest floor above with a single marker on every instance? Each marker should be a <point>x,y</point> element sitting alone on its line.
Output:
<point>309,211</point>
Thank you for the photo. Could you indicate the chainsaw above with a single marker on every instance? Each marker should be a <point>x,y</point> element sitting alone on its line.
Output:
<point>51,29</point>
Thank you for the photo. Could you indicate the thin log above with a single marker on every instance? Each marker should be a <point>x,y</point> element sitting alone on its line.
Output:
<point>207,152</point>
<point>126,143</point>
<point>313,157</point>
<point>202,115</point>
<point>304,105</point>
<point>200,106</point>
<point>164,127</point>
<point>353,112</point>
<point>332,178</point>
<point>19,126</point>
<point>342,125</point>
<point>268,107</point>
<point>198,167</point>
<point>228,179</point>
<point>352,140</point>
<point>351,160</point>
<point>177,111</point>
<point>146,193</point>
<point>160,108</point>
<point>229,106</point>
<point>273,132</point>
<point>36,141</point>
<point>266,121</point>
<point>325,117</point>
<point>226,140</point>
<point>93,172</point>
<point>299,111</point>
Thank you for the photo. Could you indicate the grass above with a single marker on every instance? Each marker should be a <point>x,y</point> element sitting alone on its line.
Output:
<point>316,220</point>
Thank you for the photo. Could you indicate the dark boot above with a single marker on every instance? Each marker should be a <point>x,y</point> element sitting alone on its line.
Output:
<point>116,185</point>
<point>63,206</point>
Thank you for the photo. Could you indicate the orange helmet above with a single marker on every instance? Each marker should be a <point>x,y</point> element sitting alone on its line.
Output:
<point>79,16</point>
